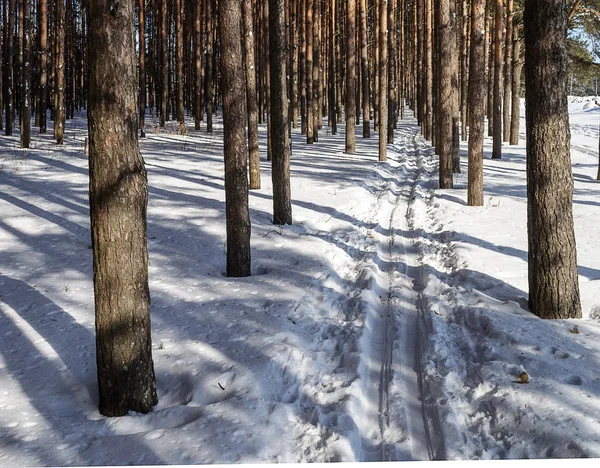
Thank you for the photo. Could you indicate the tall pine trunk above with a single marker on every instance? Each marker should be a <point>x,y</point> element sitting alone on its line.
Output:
<point>251,102</point>
<point>234,118</point>
<point>517,66</point>
<point>59,73</point>
<point>118,203</point>
<point>552,256</point>
<point>477,96</point>
<point>506,107</point>
<point>383,79</point>
<point>26,75</point>
<point>142,48</point>
<point>497,101</point>
<point>364,61</point>
<point>43,91</point>
<point>350,104</point>
<point>282,204</point>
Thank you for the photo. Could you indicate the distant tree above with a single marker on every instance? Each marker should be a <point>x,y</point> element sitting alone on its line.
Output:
<point>233,85</point>
<point>477,96</point>
<point>118,203</point>
<point>350,104</point>
<point>251,99</point>
<point>282,205</point>
<point>142,65</point>
<point>497,100</point>
<point>553,277</point>
<point>59,72</point>
<point>364,62</point>
<point>383,79</point>
<point>43,90</point>
<point>26,38</point>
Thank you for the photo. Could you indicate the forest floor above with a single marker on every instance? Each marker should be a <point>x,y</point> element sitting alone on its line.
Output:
<point>389,322</point>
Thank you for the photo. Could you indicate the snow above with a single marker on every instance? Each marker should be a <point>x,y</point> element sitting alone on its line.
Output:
<point>388,323</point>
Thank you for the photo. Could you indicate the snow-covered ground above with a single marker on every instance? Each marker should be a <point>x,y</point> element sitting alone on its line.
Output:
<point>388,323</point>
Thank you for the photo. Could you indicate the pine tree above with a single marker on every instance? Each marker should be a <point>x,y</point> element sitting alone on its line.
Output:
<point>350,104</point>
<point>233,84</point>
<point>477,95</point>
<point>251,103</point>
<point>282,205</point>
<point>118,203</point>
<point>553,277</point>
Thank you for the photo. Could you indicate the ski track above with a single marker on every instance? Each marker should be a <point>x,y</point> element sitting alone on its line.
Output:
<point>393,415</point>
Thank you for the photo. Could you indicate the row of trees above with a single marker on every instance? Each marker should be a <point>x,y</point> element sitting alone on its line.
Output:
<point>305,63</point>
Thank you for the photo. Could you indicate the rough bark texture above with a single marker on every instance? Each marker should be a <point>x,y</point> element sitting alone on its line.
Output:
<point>209,67</point>
<point>198,111</point>
<point>118,201</point>
<point>383,79</point>
<point>508,70</point>
<point>282,204</point>
<point>364,61</point>
<point>308,70</point>
<point>464,63</point>
<point>234,119</point>
<point>43,91</point>
<point>178,14</point>
<point>142,47</point>
<point>477,96</point>
<point>448,91</point>
<point>553,279</point>
<point>10,85</point>
<point>59,73</point>
<point>164,63</point>
<point>517,66</point>
<point>427,72</point>
<point>350,105</point>
<point>26,76</point>
<point>497,119</point>
<point>251,102</point>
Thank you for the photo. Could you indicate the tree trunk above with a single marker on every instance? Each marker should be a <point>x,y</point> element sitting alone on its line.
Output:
<point>251,103</point>
<point>464,63</point>
<point>364,60</point>
<point>179,63</point>
<point>197,39</point>
<point>59,73</point>
<point>477,96</point>
<point>506,107</point>
<point>209,63</point>
<point>350,104</point>
<point>308,70</point>
<point>118,201</point>
<point>282,205</point>
<point>164,64</point>
<point>489,69</point>
<point>234,118</point>
<point>553,278</point>
<point>43,91</point>
<point>383,79</point>
<point>428,77</point>
<point>142,48</point>
<point>26,76</point>
<point>497,119</point>
<point>517,66</point>
<point>448,103</point>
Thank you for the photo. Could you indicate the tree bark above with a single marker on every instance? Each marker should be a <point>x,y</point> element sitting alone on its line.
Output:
<point>164,64</point>
<point>142,48</point>
<point>43,91</point>
<point>427,73</point>
<point>234,118</point>
<point>497,119</point>
<point>383,79</point>
<point>118,202</point>
<point>209,64</point>
<point>517,66</point>
<point>26,76</point>
<point>251,103</point>
<point>477,96</point>
<point>553,277</point>
<point>282,204</point>
<point>197,39</point>
<point>179,63</point>
<point>506,107</point>
<point>464,63</point>
<point>350,104</point>
<point>364,59</point>
<point>59,73</point>
<point>308,70</point>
